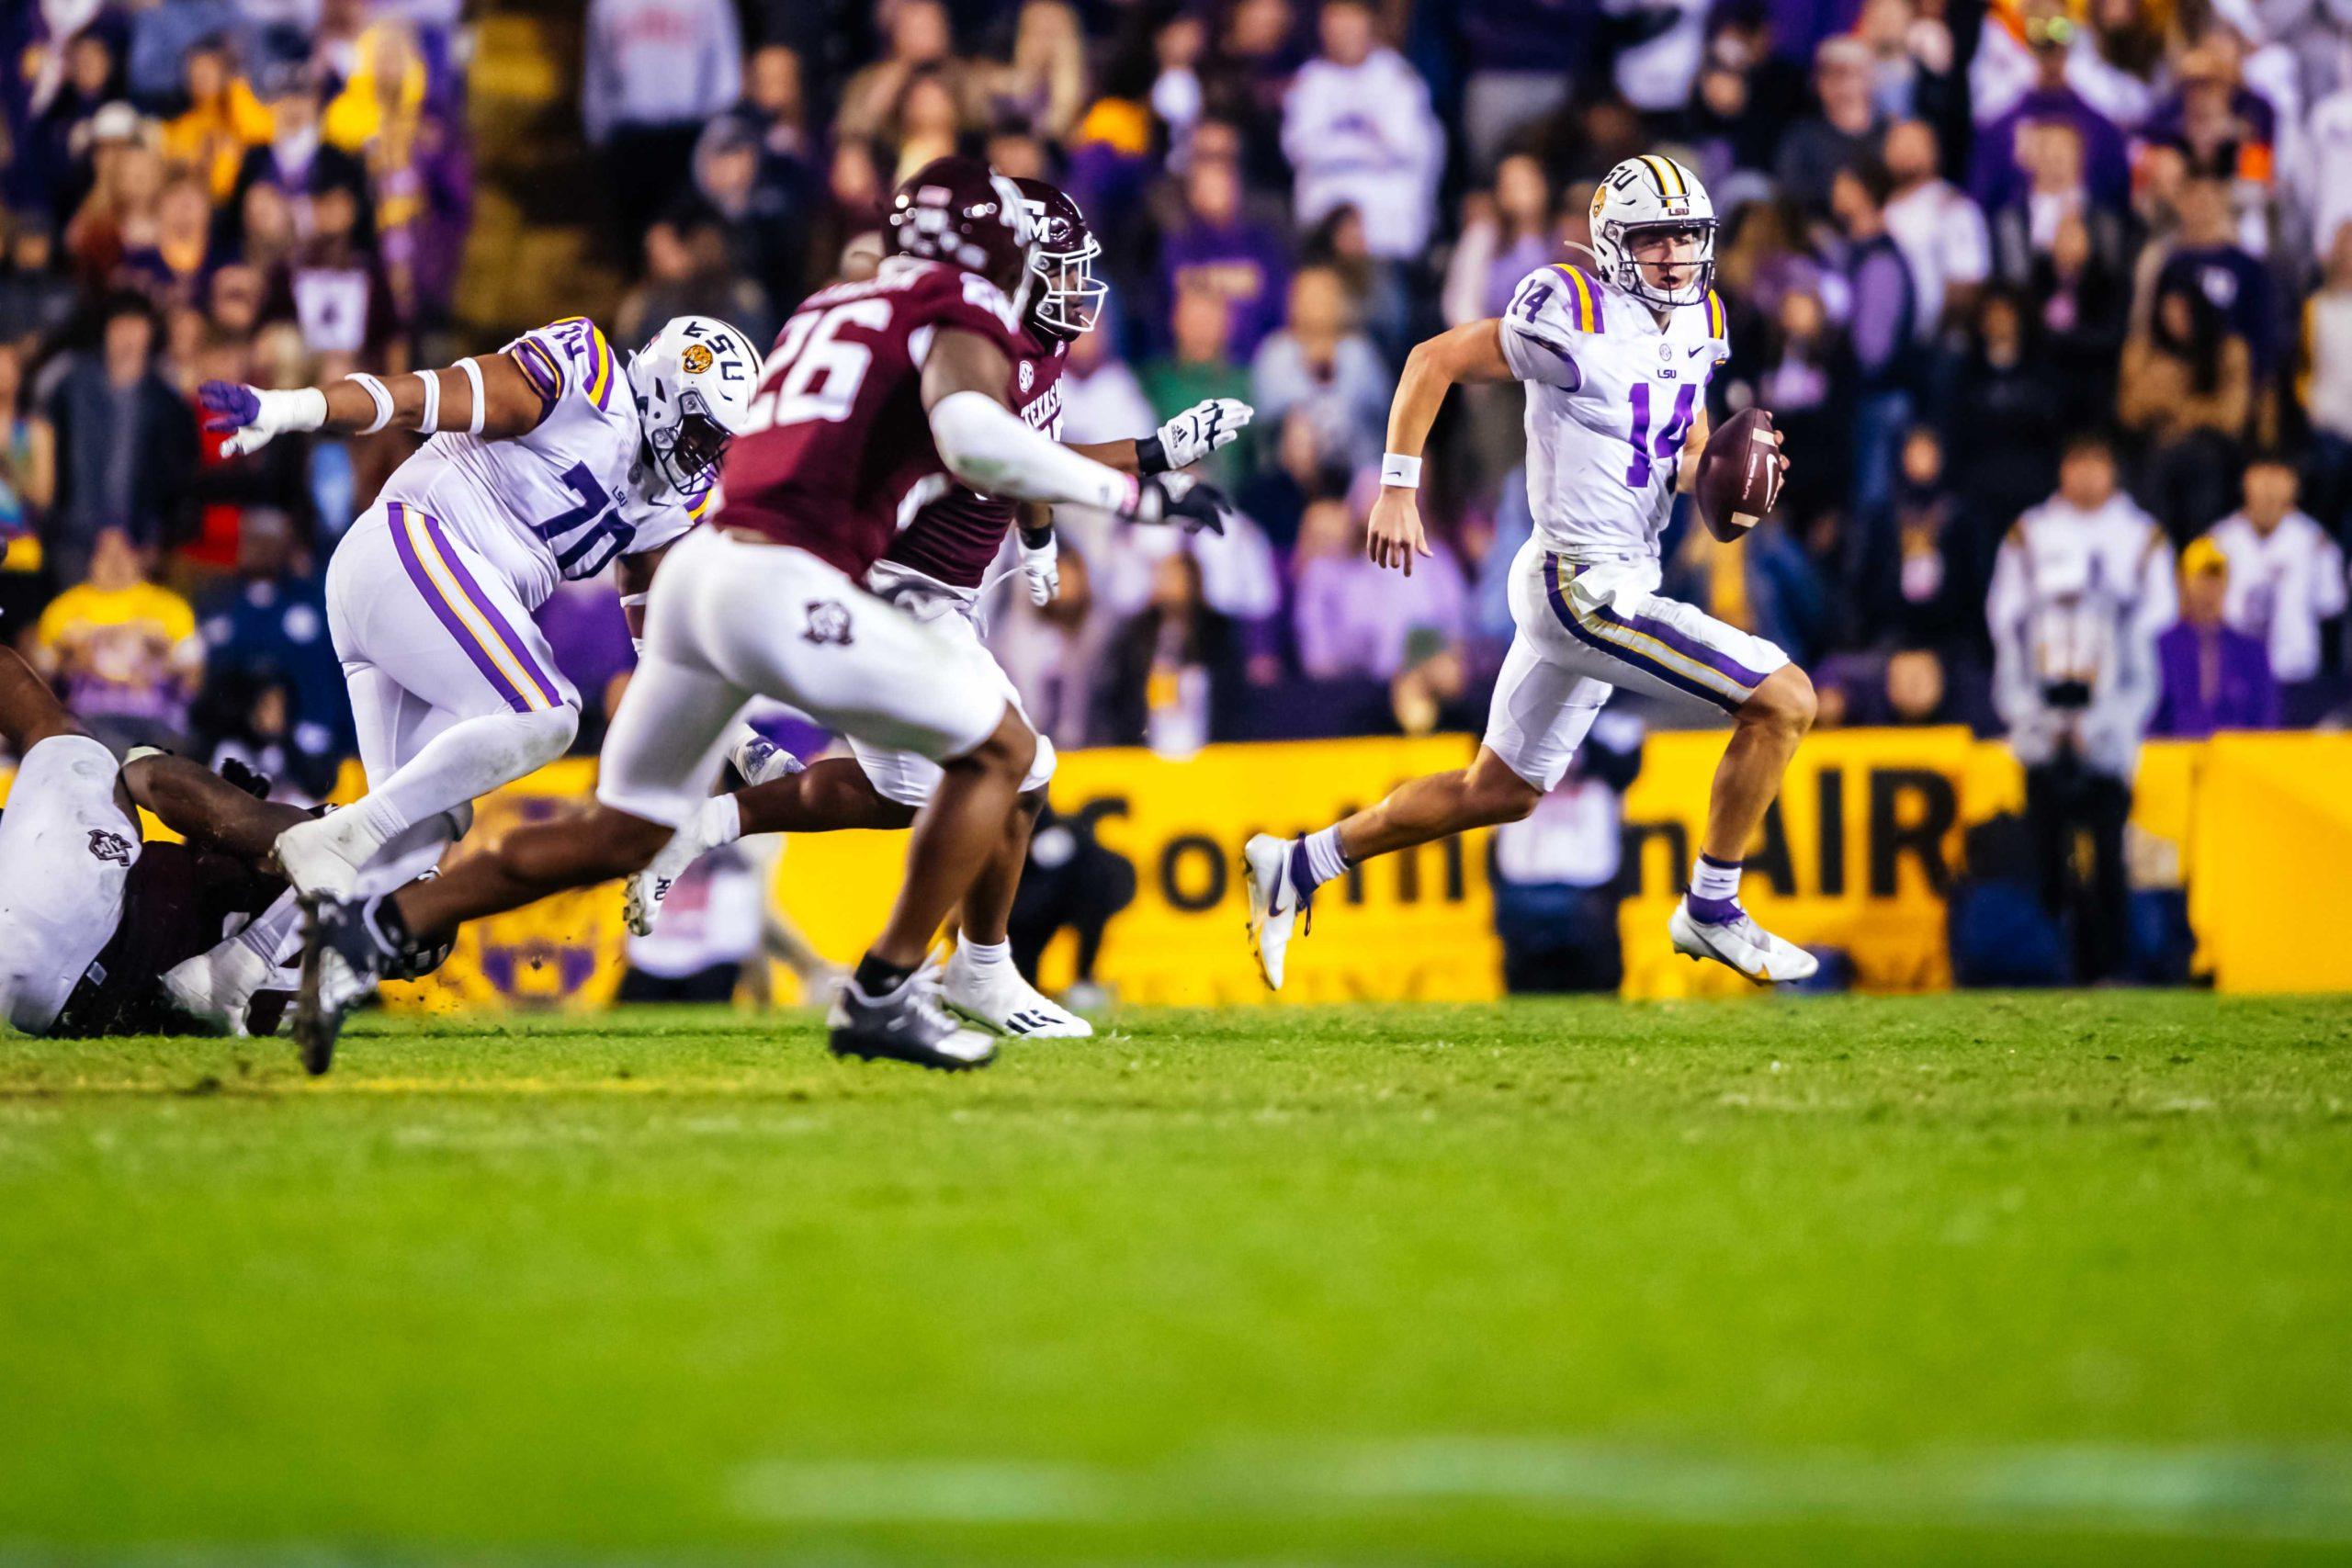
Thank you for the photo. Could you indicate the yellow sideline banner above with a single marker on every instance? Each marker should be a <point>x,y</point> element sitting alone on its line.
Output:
<point>1856,853</point>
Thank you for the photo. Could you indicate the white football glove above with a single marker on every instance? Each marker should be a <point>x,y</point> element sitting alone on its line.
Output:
<point>1042,565</point>
<point>251,415</point>
<point>1201,430</point>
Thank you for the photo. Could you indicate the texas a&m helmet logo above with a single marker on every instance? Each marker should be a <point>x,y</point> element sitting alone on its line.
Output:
<point>828,622</point>
<point>109,846</point>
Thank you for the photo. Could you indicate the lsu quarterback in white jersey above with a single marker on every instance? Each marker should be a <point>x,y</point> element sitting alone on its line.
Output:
<point>1616,358</point>
<point>550,459</point>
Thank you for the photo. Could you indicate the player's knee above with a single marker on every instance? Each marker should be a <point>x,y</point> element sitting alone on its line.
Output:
<point>548,733</point>
<point>1784,703</point>
<point>1010,749</point>
<point>1495,796</point>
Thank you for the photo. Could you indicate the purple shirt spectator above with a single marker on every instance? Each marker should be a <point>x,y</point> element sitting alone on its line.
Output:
<point>1244,262</point>
<point>2212,678</point>
<point>1995,178</point>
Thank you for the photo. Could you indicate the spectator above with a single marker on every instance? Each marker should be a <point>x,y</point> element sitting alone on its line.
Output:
<point>248,716</point>
<point>2080,305</point>
<point>1764,584</point>
<point>1506,234</point>
<point>1523,58</point>
<point>1216,245</point>
<point>1846,126</point>
<point>2186,389</point>
<point>2055,194</point>
<point>2327,385</point>
<point>1881,324</point>
<point>2227,130</point>
<point>1169,670</point>
<point>1558,874</point>
<point>28,479</point>
<point>918,37</point>
<point>760,203</point>
<point>2004,419</point>
<point>1941,233</point>
<point>2206,257</point>
<point>1044,85</point>
<point>2079,590</point>
<point>2211,676</point>
<point>1802,387</point>
<point>1358,130</point>
<point>657,71</point>
<point>119,212</point>
<point>337,291</point>
<point>298,163</point>
<point>1919,569</point>
<point>223,119</point>
<point>1102,400</point>
<point>172,265</point>
<point>925,122</point>
<point>1198,366</point>
<point>1071,883</point>
<point>1355,620</point>
<point>2320,181</point>
<point>126,444</point>
<point>2047,96</point>
<point>2286,583</point>
<point>1320,363</point>
<point>686,275</point>
<point>35,299</point>
<point>122,651</point>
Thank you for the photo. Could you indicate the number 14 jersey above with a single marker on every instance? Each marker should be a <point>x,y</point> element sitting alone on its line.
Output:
<point>1611,397</point>
<point>559,502</point>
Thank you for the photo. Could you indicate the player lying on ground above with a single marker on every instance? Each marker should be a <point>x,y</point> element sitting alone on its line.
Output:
<point>548,460</point>
<point>934,571</point>
<point>877,397</point>
<point>1617,361</point>
<point>101,934</point>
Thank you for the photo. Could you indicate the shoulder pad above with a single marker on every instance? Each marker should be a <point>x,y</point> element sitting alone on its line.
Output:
<point>564,353</point>
<point>1585,306</point>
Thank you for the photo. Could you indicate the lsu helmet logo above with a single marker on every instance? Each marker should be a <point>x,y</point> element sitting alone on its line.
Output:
<point>696,359</point>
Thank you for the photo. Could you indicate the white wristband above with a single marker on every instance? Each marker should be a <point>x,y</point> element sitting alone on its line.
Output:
<point>473,379</point>
<point>430,421</point>
<point>378,395</point>
<point>1396,468</point>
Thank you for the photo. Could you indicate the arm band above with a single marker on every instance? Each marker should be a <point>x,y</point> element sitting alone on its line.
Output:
<point>473,379</point>
<point>1396,468</point>
<point>986,446</point>
<point>430,420</point>
<point>376,395</point>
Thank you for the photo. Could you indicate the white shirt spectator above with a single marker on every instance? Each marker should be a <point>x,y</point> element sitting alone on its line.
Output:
<point>2327,324</point>
<point>1942,233</point>
<point>1656,75</point>
<point>1363,136</point>
<point>1105,403</point>
<point>659,63</point>
<point>2323,170</point>
<point>2080,596</point>
<point>2282,585</point>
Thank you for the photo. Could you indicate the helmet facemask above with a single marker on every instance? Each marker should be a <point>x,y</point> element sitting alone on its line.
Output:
<point>1069,299</point>
<point>691,448</point>
<point>1622,239</point>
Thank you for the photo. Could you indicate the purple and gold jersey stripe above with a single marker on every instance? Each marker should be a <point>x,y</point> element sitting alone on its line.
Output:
<point>1715,314</point>
<point>468,615</point>
<point>600,362</point>
<point>702,504</point>
<point>1588,317</point>
<point>1651,645</point>
<point>540,368</point>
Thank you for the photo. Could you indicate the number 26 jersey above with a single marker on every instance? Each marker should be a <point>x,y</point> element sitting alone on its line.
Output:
<point>1611,397</point>
<point>559,500</point>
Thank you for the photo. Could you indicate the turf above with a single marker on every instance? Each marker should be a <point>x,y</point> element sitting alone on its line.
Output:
<point>1961,1279</point>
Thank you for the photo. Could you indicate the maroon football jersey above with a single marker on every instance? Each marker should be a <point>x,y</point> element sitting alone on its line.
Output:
<point>956,538</point>
<point>837,450</point>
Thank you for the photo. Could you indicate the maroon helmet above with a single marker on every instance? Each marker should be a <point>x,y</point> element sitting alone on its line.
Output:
<point>960,211</point>
<point>1069,297</point>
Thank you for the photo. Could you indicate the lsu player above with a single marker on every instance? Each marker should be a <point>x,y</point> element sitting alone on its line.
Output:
<point>550,459</point>
<point>936,571</point>
<point>1617,360</point>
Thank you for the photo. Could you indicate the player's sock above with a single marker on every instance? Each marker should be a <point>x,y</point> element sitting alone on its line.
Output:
<point>979,957</point>
<point>1314,860</point>
<point>721,821</point>
<point>1714,890</point>
<point>463,763</point>
<point>878,978</point>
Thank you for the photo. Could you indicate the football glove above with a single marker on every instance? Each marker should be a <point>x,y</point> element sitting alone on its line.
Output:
<point>1192,434</point>
<point>1042,565</point>
<point>252,415</point>
<point>1179,500</point>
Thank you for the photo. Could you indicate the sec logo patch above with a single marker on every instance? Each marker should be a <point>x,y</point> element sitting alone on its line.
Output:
<point>1028,377</point>
<point>695,360</point>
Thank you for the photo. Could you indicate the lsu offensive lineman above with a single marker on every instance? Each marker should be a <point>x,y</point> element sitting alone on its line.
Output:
<point>1617,360</point>
<point>550,459</point>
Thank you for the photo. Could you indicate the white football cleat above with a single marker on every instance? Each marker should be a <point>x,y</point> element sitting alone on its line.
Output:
<point>1274,903</point>
<point>313,857</point>
<point>1741,945</point>
<point>648,888</point>
<point>998,997</point>
<point>216,988</point>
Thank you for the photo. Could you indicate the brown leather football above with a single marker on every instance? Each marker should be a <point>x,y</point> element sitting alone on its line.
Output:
<point>1739,475</point>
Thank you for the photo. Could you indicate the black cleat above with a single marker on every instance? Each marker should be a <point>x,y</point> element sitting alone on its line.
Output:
<point>343,957</point>
<point>906,1025</point>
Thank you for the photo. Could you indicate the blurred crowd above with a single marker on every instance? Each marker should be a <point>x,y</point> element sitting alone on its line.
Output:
<point>2053,298</point>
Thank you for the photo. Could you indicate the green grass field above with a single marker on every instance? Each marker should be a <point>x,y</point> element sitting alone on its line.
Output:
<point>1964,1279</point>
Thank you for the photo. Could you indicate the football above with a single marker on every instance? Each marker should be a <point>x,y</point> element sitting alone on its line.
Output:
<point>1740,474</point>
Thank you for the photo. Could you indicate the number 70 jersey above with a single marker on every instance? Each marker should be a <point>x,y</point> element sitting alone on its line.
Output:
<point>1611,397</point>
<point>559,502</point>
